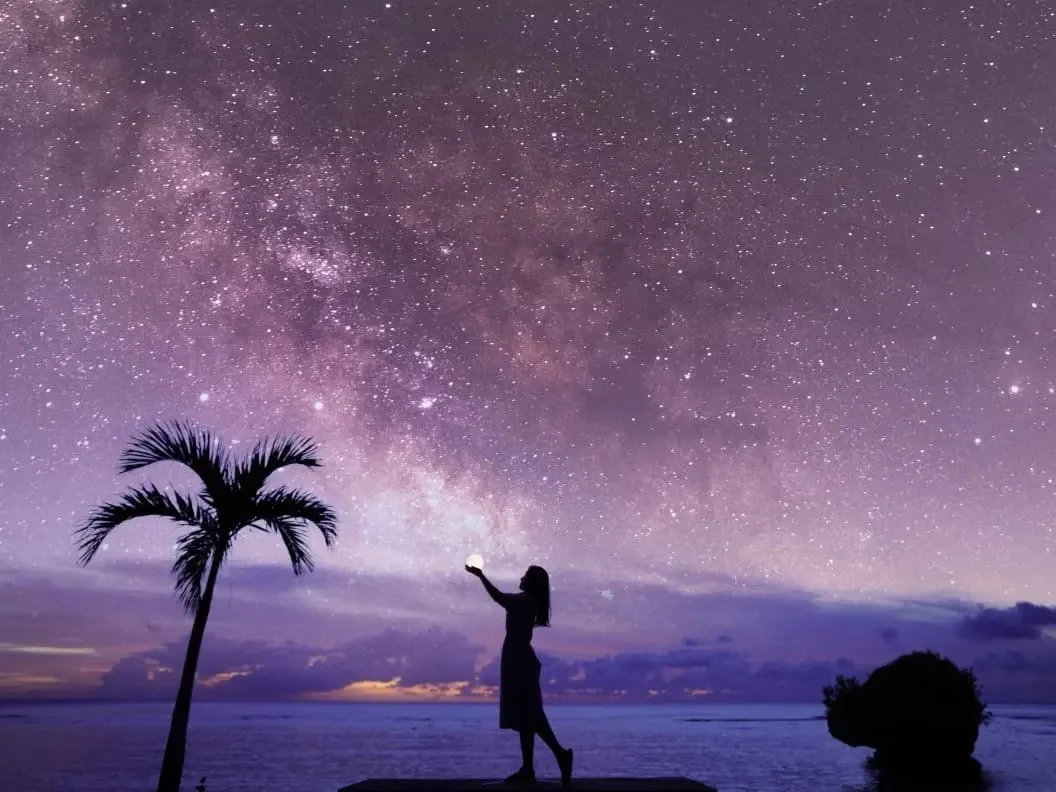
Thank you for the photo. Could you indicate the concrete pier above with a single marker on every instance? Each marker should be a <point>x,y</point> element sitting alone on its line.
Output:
<point>667,784</point>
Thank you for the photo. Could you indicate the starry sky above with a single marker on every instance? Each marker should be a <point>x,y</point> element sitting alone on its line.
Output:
<point>738,317</point>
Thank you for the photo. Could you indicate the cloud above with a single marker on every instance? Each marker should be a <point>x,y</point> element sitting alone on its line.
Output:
<point>1009,661</point>
<point>231,670</point>
<point>1019,676</point>
<point>143,676</point>
<point>258,670</point>
<point>1024,621</point>
<point>439,660</point>
<point>889,635</point>
<point>271,635</point>
<point>131,605</point>
<point>436,658</point>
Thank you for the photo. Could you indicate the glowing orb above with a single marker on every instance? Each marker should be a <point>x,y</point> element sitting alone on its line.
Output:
<point>475,560</point>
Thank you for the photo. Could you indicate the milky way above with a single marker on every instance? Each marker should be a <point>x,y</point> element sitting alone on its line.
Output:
<point>645,291</point>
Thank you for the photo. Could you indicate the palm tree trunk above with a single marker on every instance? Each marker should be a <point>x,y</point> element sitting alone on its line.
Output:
<point>176,745</point>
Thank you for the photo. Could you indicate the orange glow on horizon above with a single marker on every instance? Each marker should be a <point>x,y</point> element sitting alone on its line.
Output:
<point>391,690</point>
<point>15,681</point>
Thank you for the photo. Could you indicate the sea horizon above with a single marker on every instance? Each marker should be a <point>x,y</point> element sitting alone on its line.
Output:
<point>465,702</point>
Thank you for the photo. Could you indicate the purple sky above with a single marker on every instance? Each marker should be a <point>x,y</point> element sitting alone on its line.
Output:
<point>739,317</point>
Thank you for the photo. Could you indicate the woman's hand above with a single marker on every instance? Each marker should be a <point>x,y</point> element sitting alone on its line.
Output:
<point>474,571</point>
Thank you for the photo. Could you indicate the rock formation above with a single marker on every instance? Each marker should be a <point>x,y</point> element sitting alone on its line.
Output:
<point>920,714</point>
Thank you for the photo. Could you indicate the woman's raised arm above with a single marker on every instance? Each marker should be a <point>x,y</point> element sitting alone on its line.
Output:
<point>500,597</point>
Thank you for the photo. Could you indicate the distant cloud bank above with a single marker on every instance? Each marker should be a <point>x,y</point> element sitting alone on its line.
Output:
<point>369,636</point>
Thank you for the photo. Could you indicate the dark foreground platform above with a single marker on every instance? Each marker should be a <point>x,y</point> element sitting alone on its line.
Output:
<point>668,784</point>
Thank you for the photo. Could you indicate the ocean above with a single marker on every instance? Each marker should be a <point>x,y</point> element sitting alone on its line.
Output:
<point>320,747</point>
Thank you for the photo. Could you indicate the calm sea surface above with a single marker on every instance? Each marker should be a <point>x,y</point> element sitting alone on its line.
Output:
<point>321,747</point>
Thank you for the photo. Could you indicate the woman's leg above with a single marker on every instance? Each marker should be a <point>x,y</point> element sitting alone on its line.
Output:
<point>546,734</point>
<point>562,755</point>
<point>528,750</point>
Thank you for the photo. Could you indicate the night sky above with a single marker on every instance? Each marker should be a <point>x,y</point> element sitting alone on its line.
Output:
<point>738,317</point>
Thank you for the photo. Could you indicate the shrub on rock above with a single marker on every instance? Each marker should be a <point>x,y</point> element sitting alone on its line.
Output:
<point>919,713</point>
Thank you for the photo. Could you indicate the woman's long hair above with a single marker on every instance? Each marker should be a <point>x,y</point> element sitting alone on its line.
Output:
<point>537,586</point>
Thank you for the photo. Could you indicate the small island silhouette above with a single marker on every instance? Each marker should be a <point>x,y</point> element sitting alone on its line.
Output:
<point>920,714</point>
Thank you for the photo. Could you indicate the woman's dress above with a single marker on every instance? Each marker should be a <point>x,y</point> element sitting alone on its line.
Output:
<point>520,694</point>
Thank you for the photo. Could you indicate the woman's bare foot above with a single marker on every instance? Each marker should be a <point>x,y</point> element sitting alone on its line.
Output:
<point>522,777</point>
<point>564,763</point>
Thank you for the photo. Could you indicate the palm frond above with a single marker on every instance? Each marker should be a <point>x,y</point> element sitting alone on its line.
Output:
<point>288,512</point>
<point>270,455</point>
<point>195,550</point>
<point>299,505</point>
<point>293,536</point>
<point>185,443</point>
<point>140,501</point>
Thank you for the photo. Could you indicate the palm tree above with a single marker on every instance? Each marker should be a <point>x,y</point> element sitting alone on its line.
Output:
<point>232,497</point>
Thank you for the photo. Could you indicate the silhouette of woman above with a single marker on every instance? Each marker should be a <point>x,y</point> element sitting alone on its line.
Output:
<point>520,694</point>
